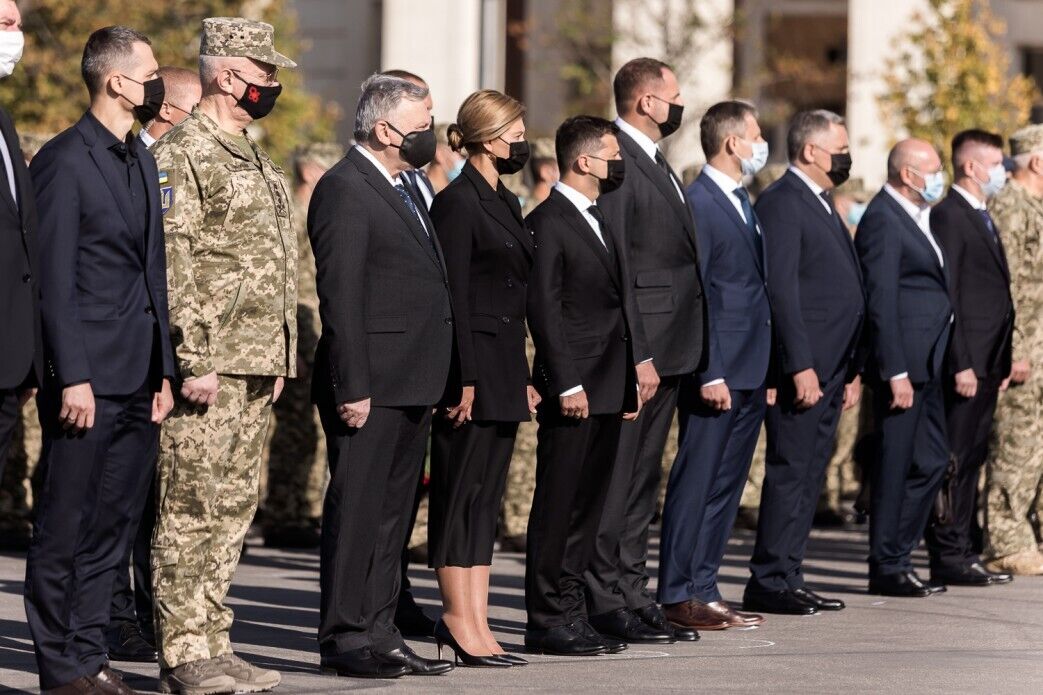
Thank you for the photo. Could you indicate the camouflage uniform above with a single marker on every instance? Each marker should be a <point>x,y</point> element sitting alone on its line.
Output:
<point>296,461</point>
<point>231,267</point>
<point>1015,471</point>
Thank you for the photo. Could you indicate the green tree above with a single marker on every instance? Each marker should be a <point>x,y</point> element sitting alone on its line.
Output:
<point>46,94</point>
<point>952,73</point>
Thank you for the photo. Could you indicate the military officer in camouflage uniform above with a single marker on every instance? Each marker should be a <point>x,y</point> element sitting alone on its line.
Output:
<point>297,469</point>
<point>232,274</point>
<point>1015,473</point>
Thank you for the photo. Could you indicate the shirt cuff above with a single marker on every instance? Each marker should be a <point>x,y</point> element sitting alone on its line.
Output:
<point>572,391</point>
<point>713,382</point>
<point>646,361</point>
<point>896,377</point>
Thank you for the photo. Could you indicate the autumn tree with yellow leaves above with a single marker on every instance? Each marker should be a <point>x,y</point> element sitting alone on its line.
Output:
<point>952,73</point>
<point>46,93</point>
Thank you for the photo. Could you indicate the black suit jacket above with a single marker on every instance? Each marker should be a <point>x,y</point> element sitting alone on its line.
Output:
<point>488,253</point>
<point>387,323</point>
<point>815,283</point>
<point>908,293</point>
<point>20,338</point>
<point>658,230</point>
<point>979,286</point>
<point>580,310</point>
<point>103,283</point>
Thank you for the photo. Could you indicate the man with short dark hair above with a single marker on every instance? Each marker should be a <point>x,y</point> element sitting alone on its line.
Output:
<point>109,360</point>
<point>581,312</point>
<point>652,216</point>
<point>722,406</point>
<point>979,357</point>
<point>815,289</point>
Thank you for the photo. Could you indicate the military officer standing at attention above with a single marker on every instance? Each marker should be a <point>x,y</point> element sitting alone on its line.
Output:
<point>232,267</point>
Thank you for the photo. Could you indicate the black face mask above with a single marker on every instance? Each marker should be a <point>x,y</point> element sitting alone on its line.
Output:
<point>616,173</point>
<point>155,93</point>
<point>839,168</point>
<point>517,158</point>
<point>673,118</point>
<point>417,148</point>
<point>258,100</point>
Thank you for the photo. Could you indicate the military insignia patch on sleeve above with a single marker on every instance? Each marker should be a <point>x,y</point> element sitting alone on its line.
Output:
<point>166,192</point>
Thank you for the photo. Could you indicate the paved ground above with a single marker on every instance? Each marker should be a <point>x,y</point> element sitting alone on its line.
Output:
<point>965,641</point>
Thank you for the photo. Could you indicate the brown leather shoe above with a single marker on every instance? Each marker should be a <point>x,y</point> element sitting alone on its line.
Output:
<point>733,617</point>
<point>110,683</point>
<point>695,615</point>
<point>80,686</point>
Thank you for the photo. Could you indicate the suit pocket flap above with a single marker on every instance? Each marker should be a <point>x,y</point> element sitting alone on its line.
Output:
<point>386,324</point>
<point>587,347</point>
<point>656,301</point>
<point>654,278</point>
<point>98,312</point>
<point>485,324</point>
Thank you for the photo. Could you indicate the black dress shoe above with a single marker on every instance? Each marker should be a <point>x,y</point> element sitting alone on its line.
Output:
<point>624,624</point>
<point>900,584</point>
<point>652,616</point>
<point>362,663</point>
<point>818,601</point>
<point>411,620</point>
<point>997,577</point>
<point>562,640</point>
<point>613,645</point>
<point>418,665</point>
<point>784,602</point>
<point>126,643</point>
<point>962,576</point>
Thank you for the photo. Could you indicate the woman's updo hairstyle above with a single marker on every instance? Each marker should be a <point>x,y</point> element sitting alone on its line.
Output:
<point>484,116</point>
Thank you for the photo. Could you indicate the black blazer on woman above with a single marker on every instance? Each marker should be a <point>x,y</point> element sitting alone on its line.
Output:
<point>488,254</point>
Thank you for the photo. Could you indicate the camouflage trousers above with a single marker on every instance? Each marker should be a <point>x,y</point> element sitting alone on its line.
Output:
<point>1014,474</point>
<point>751,494</point>
<point>207,491</point>
<point>842,476</point>
<point>297,470</point>
<point>16,490</point>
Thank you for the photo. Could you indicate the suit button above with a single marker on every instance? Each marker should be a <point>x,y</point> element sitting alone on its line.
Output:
<point>148,310</point>
<point>509,244</point>
<point>449,322</point>
<point>768,322</point>
<point>506,319</point>
<point>510,283</point>
<point>27,277</point>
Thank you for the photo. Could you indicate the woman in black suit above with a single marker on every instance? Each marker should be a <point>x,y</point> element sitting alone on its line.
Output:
<point>488,254</point>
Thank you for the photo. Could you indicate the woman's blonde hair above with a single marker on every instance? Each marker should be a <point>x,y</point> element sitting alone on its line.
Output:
<point>484,116</point>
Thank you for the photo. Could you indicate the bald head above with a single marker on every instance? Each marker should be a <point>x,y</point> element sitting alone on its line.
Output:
<point>183,89</point>
<point>912,153</point>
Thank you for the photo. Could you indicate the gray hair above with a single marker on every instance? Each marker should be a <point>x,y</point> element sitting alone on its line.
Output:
<point>1022,161</point>
<point>806,126</point>
<point>107,50</point>
<point>381,94</point>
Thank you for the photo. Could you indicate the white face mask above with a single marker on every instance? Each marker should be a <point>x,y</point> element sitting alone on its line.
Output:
<point>11,45</point>
<point>757,160</point>
<point>996,181</point>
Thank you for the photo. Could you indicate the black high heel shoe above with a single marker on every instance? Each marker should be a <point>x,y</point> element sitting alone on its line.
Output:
<point>443,636</point>
<point>513,659</point>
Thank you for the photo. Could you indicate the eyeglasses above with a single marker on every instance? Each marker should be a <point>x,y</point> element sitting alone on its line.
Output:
<point>269,77</point>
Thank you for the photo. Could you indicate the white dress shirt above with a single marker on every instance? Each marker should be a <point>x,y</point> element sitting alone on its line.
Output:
<point>728,185</point>
<point>5,154</point>
<point>397,181</point>
<point>815,188</point>
<point>649,148</point>
<point>974,202</point>
<point>146,138</point>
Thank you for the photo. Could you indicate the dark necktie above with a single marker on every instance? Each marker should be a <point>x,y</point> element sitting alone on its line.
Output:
<point>987,219</point>
<point>751,222</point>
<point>595,212</point>
<point>411,204</point>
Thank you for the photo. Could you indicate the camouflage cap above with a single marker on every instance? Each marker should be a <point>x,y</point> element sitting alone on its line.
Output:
<point>543,148</point>
<point>1027,140</point>
<point>235,37</point>
<point>325,154</point>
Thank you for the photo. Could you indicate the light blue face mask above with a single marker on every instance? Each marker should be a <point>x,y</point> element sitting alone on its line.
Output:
<point>933,186</point>
<point>757,159</point>
<point>455,171</point>
<point>997,179</point>
<point>855,212</point>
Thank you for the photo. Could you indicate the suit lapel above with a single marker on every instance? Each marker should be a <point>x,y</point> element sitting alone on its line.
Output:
<point>582,228</point>
<point>499,209</point>
<point>663,183</point>
<point>978,223</point>
<point>11,139</point>
<point>725,204</point>
<point>921,238</point>
<point>831,220</point>
<point>113,177</point>
<point>151,174</point>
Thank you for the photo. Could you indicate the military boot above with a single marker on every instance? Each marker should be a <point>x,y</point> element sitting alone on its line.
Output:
<point>248,678</point>
<point>199,677</point>
<point>1025,562</point>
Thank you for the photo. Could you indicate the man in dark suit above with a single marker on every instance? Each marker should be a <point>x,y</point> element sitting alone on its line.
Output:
<point>652,216</point>
<point>979,357</point>
<point>817,303</point>
<point>381,364</point>
<point>109,360</point>
<point>581,314</point>
<point>722,406</point>
<point>909,321</point>
<point>20,343</point>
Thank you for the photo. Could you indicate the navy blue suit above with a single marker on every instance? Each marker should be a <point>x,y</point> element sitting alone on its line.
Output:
<point>104,309</point>
<point>817,303</point>
<point>909,326</point>
<point>716,447</point>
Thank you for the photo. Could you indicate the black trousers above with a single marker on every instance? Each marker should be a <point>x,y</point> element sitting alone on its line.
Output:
<point>406,601</point>
<point>574,461</point>
<point>800,444</point>
<point>94,487</point>
<point>134,604</point>
<point>950,539</point>
<point>373,479</point>
<point>468,475</point>
<point>617,577</point>
<point>9,410</point>
<point>913,456</point>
